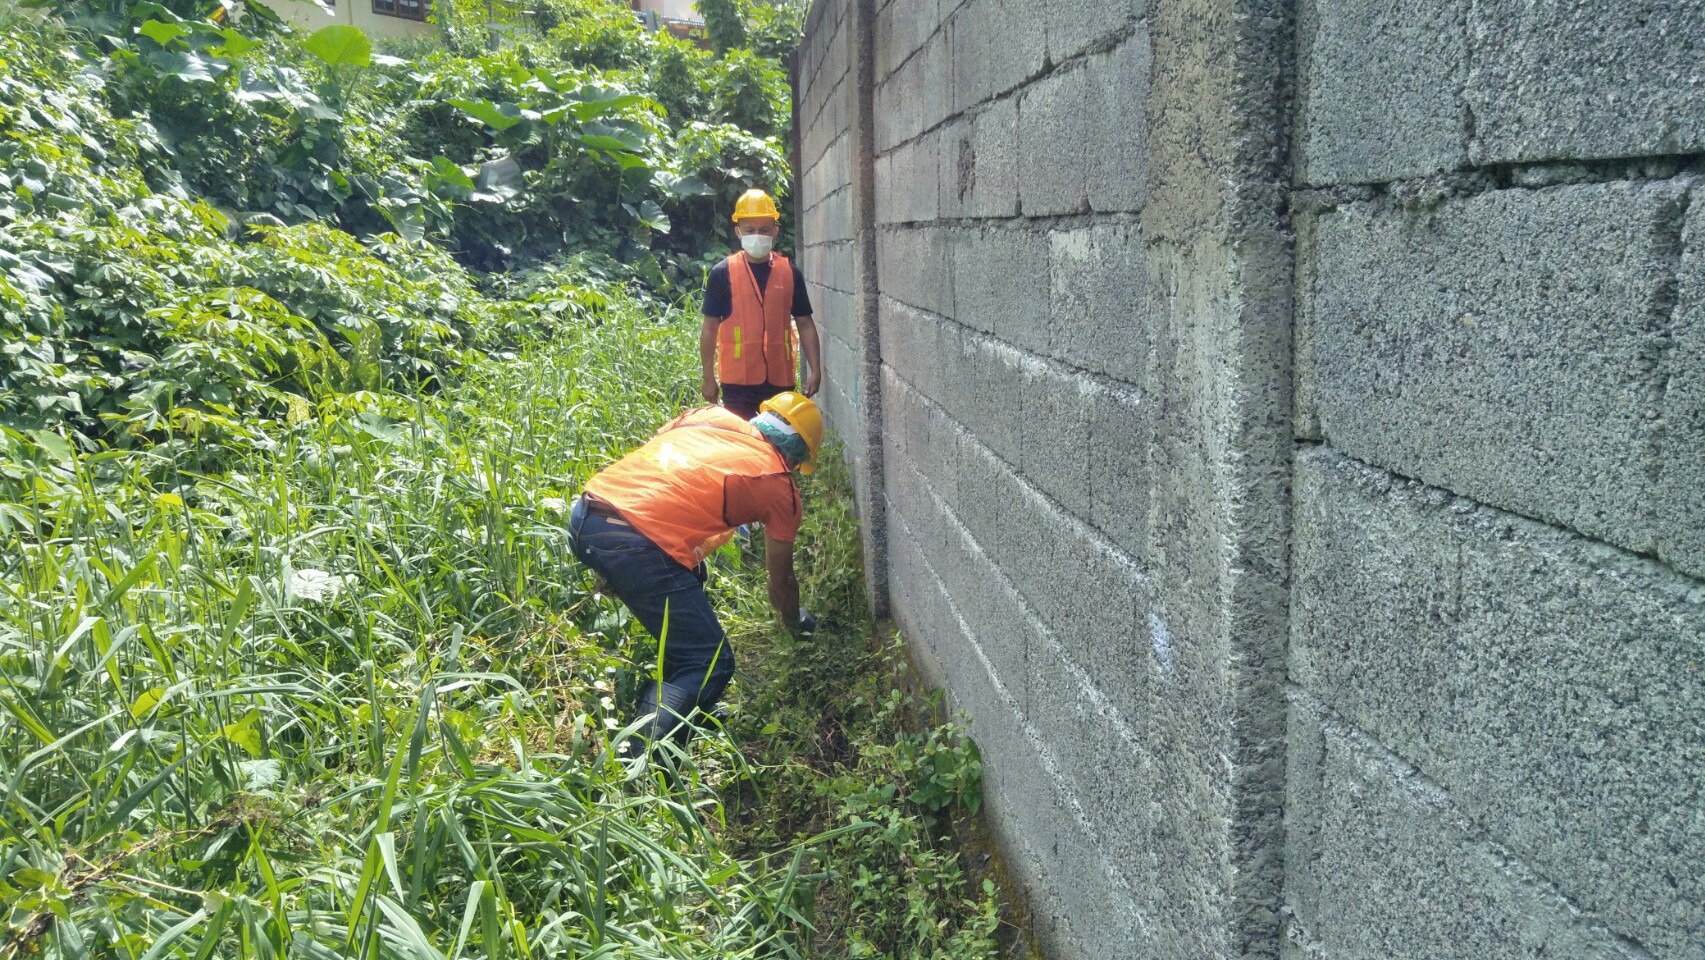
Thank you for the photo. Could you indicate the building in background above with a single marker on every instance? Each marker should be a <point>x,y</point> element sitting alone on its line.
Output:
<point>378,18</point>
<point>679,17</point>
<point>404,18</point>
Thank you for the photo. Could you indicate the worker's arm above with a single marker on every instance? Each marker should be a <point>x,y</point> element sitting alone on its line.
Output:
<point>707,356</point>
<point>813,354</point>
<point>784,589</point>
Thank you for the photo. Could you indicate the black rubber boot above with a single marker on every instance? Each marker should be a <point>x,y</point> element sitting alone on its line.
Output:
<point>668,718</point>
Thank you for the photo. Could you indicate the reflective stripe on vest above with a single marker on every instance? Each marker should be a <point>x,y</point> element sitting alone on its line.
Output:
<point>671,489</point>
<point>761,319</point>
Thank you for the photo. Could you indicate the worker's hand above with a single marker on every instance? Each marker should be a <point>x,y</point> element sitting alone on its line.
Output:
<point>813,380</point>
<point>807,623</point>
<point>709,390</point>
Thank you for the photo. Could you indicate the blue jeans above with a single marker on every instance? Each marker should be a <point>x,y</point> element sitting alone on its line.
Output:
<point>667,598</point>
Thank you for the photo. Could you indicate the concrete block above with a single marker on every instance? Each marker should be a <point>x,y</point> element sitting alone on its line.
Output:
<point>1400,873</point>
<point>987,163</point>
<point>1098,285</point>
<point>987,488</point>
<point>909,494</point>
<point>993,611</point>
<point>1039,559</point>
<point>900,32</point>
<point>1005,288</point>
<point>912,183</point>
<point>916,266</point>
<point>830,219</point>
<point>1121,428</point>
<point>990,379</point>
<point>930,79</point>
<point>885,192</point>
<point>1057,120</point>
<point>1680,514</point>
<point>1076,25</point>
<point>1116,164</point>
<point>917,97</point>
<point>918,347</point>
<point>1106,631</point>
<point>834,314</point>
<point>1381,90</point>
<point>1502,346</point>
<point>1560,79</point>
<point>926,440</point>
<point>1100,759</point>
<point>995,47</point>
<point>1054,447</point>
<point>1551,684</point>
<point>1082,135</point>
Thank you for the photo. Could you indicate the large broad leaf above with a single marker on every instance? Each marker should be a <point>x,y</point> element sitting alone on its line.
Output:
<point>235,44</point>
<point>651,215</point>
<point>341,46</point>
<point>451,174</point>
<point>626,135</point>
<point>498,116</point>
<point>680,187</point>
<point>188,67</point>
<point>406,217</point>
<point>162,33</point>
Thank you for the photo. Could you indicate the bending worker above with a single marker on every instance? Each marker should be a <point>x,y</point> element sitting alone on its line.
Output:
<point>647,522</point>
<point>753,302</point>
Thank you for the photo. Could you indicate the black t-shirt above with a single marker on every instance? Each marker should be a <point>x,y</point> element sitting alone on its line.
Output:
<point>719,295</point>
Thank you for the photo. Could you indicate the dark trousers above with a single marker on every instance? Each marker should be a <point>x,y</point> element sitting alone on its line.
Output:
<point>743,401</point>
<point>668,599</point>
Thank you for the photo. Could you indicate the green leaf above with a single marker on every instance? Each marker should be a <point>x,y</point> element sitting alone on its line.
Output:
<point>449,172</point>
<point>498,116</point>
<point>52,444</point>
<point>162,33</point>
<point>245,732</point>
<point>341,46</point>
<point>235,44</point>
<point>650,215</point>
<point>162,945</point>
<point>32,878</point>
<point>681,187</point>
<point>145,701</point>
<point>189,67</point>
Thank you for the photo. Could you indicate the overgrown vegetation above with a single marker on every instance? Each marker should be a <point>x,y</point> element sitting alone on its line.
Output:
<point>305,347</point>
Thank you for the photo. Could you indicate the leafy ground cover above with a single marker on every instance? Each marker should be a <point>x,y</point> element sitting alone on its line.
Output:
<point>350,696</point>
<point>294,661</point>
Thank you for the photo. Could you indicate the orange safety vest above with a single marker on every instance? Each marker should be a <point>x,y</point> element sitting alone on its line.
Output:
<point>671,489</point>
<point>755,342</point>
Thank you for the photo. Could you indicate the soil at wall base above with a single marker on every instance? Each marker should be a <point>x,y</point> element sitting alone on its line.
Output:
<point>978,850</point>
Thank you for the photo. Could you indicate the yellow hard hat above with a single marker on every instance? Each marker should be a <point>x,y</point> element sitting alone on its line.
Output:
<point>802,415</point>
<point>755,203</point>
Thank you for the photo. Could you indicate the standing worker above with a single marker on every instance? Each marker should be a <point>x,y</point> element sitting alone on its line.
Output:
<point>752,303</point>
<point>647,522</point>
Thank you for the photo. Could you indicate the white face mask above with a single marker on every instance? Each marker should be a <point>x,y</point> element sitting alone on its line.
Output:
<point>756,245</point>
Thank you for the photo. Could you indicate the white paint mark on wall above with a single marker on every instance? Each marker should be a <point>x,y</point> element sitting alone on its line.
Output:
<point>1162,640</point>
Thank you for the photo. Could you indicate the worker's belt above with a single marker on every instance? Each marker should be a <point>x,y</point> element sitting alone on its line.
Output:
<point>600,508</point>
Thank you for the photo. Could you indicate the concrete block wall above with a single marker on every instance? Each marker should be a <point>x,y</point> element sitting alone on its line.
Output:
<point>1281,427</point>
<point>1497,614</point>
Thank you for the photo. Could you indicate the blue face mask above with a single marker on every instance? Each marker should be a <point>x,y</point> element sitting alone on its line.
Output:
<point>756,245</point>
<point>783,437</point>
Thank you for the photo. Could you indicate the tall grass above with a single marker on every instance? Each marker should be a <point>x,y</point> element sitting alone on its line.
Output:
<point>351,697</point>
